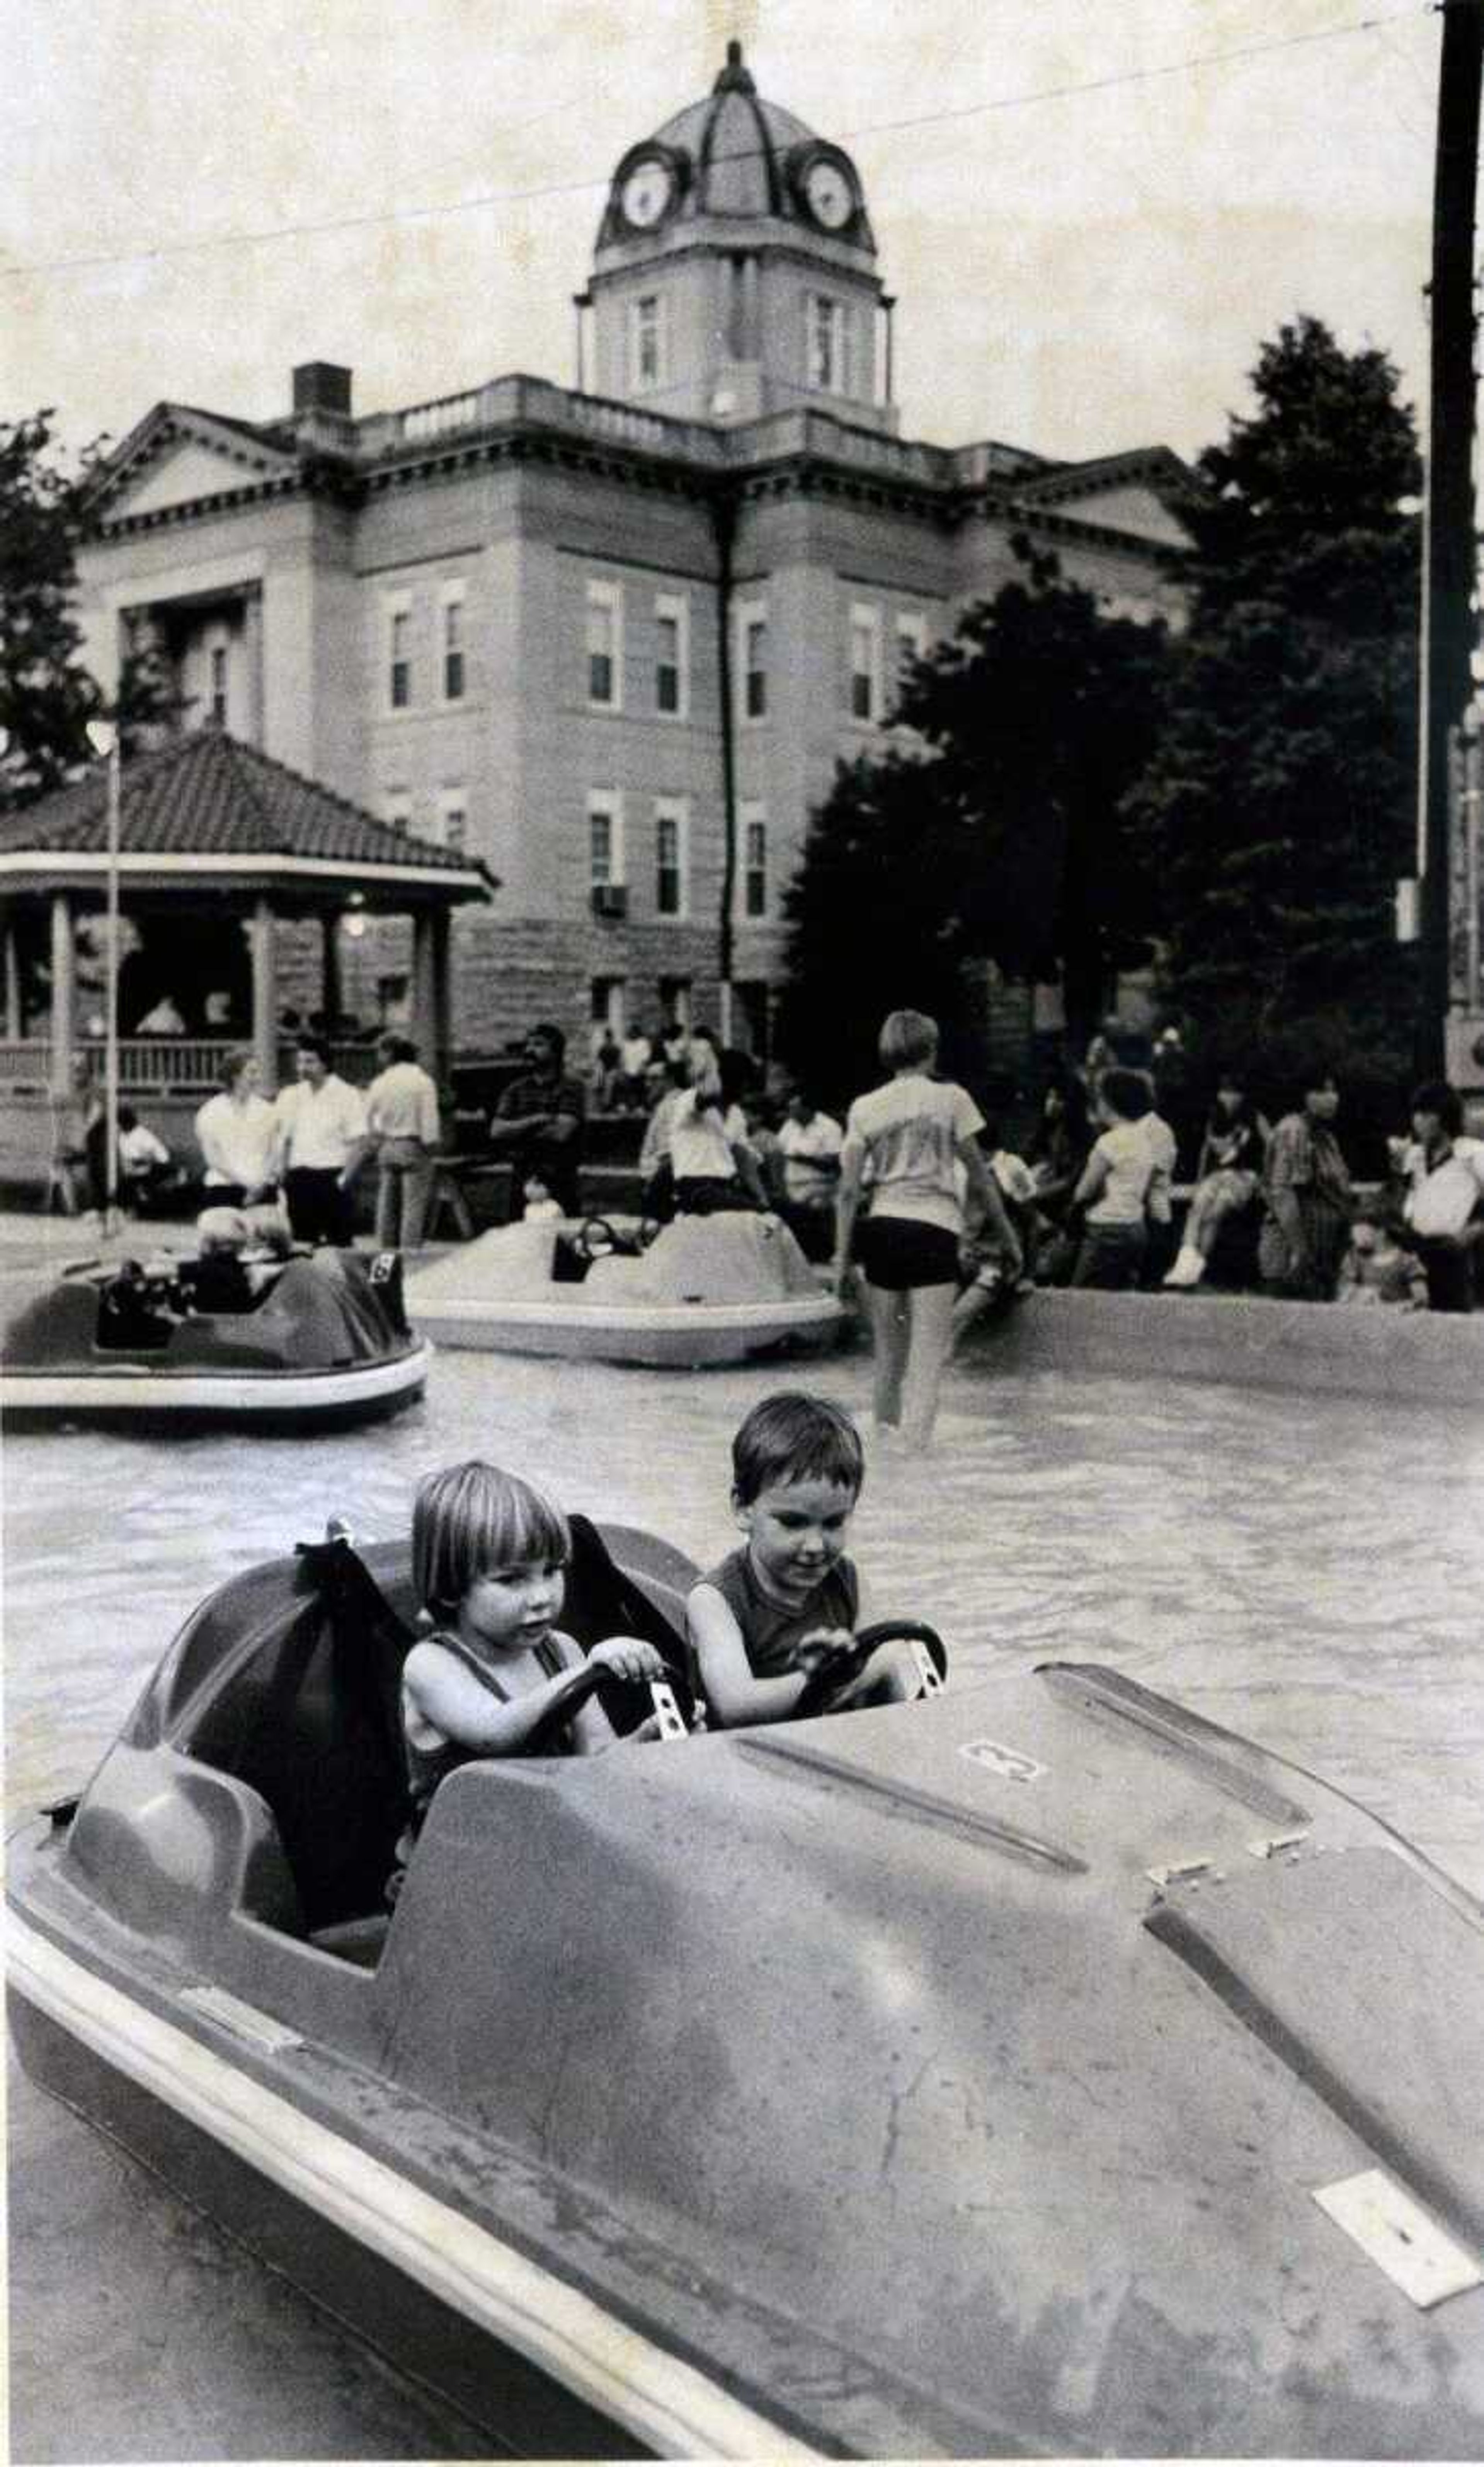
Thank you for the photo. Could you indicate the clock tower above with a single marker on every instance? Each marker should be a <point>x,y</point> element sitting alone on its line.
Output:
<point>736,270</point>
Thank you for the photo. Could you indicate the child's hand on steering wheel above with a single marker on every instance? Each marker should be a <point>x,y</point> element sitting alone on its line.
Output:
<point>822,1646</point>
<point>629,1657</point>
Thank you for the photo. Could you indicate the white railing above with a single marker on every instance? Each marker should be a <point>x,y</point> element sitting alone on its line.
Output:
<point>158,1062</point>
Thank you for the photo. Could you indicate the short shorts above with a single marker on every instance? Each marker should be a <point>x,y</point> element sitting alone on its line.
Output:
<point>898,1253</point>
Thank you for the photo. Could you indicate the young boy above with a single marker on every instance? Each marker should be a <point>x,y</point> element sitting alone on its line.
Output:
<point>789,1601</point>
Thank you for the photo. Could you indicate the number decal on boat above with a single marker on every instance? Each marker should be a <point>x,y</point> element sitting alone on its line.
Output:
<point>1008,1763</point>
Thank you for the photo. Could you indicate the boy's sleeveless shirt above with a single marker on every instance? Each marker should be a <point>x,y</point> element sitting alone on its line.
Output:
<point>770,1633</point>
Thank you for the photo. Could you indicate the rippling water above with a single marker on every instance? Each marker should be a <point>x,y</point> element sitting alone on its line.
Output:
<point>1309,1570</point>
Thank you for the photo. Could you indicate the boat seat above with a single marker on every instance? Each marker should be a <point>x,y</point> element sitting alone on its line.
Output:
<point>358,1940</point>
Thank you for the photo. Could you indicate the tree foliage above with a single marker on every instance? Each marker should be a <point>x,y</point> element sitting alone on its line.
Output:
<point>47,696</point>
<point>1277,811</point>
<point>990,833</point>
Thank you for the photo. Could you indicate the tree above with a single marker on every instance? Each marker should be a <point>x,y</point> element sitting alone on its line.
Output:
<point>1277,810</point>
<point>47,696</point>
<point>991,834</point>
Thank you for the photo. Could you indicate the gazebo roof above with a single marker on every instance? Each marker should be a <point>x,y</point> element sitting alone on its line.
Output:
<point>209,810</point>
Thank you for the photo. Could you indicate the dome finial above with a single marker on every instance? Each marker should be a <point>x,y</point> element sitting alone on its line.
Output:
<point>735,79</point>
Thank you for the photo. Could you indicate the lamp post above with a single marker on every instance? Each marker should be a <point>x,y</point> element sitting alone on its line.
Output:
<point>104,738</point>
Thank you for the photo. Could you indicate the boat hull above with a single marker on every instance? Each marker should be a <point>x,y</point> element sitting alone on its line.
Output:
<point>676,1336</point>
<point>201,1399</point>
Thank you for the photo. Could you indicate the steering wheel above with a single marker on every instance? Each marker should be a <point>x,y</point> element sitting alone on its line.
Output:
<point>594,1238</point>
<point>825,1686</point>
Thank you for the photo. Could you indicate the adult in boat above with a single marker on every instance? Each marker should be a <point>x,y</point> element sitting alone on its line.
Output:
<point>906,1137</point>
<point>1445,1198</point>
<point>237,1133</point>
<point>1306,1183</point>
<point>538,1120</point>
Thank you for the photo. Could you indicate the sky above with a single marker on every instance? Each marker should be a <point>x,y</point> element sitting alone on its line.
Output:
<point>1091,212</point>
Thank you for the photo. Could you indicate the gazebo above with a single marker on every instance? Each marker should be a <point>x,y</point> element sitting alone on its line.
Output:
<point>214,837</point>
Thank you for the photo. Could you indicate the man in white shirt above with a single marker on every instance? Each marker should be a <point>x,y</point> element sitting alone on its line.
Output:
<point>1444,1200</point>
<point>810,1143</point>
<point>237,1133</point>
<point>322,1145</point>
<point>401,1116</point>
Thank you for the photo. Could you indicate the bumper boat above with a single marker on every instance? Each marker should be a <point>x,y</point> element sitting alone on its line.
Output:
<point>322,1340</point>
<point>1035,2068</point>
<point>707,1289</point>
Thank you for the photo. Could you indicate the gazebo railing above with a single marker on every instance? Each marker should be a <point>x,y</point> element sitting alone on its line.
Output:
<point>152,1064</point>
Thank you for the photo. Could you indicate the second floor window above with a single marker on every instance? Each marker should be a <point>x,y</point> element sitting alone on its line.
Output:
<point>668,663</point>
<point>453,650</point>
<point>864,663</point>
<point>670,864</point>
<point>754,867</point>
<point>603,642</point>
<point>755,667</point>
<point>399,676</point>
<point>648,340</point>
<point>827,358</point>
<point>219,685</point>
<point>602,844</point>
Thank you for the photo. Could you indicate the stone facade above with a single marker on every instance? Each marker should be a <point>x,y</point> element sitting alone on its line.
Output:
<point>501,618</point>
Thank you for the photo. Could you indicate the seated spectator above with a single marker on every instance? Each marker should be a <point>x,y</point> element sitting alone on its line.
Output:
<point>144,1161</point>
<point>538,1120</point>
<point>1445,1198</point>
<point>1229,1172</point>
<point>810,1143</point>
<point>216,1280</point>
<point>1377,1268</point>
<point>634,1057</point>
<point>607,1083</point>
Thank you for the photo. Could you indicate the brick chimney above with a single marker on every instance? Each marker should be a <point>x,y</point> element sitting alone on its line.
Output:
<point>318,385</point>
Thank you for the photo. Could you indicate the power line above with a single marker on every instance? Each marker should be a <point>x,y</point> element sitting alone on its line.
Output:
<point>579,188</point>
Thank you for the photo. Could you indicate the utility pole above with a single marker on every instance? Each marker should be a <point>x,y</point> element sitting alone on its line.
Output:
<point>1449,554</point>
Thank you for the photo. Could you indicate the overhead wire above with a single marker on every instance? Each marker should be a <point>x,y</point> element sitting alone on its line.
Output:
<point>490,198</point>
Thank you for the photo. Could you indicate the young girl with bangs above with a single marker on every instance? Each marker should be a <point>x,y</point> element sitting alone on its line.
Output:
<point>489,1560</point>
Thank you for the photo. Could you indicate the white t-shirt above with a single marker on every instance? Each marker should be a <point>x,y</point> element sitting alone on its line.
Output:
<point>139,1147</point>
<point>1162,1148</point>
<point>401,1103</point>
<point>1014,1177</point>
<point>800,1142</point>
<point>237,1141</point>
<point>320,1125</point>
<point>1444,1197</point>
<point>634,1054</point>
<point>1127,1153</point>
<point>905,1136</point>
<point>701,1143</point>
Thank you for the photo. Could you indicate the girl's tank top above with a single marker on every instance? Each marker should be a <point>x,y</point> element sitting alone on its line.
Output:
<point>426,1767</point>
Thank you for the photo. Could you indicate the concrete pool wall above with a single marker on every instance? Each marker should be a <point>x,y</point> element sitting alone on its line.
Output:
<point>1246,1341</point>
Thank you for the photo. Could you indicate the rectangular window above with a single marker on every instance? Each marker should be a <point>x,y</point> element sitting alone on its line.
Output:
<point>827,346</point>
<point>672,655</point>
<point>753,648</point>
<point>607,996</point>
<point>646,343</point>
<point>754,860</point>
<point>399,670</point>
<point>605,838</point>
<point>675,1000</point>
<point>453,810</point>
<point>865,663</point>
<point>219,685</point>
<point>453,643</point>
<point>671,833</point>
<point>605,646</point>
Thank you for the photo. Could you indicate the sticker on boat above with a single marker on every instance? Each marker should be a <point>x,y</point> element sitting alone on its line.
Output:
<point>1007,1763</point>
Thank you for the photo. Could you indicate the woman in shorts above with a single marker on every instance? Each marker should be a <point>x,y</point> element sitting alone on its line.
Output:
<point>905,1140</point>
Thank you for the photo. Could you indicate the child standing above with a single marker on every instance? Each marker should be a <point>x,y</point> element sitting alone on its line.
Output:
<point>789,1602</point>
<point>489,1560</point>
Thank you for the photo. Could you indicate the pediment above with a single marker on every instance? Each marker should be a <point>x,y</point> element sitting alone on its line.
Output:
<point>177,458</point>
<point>1129,507</point>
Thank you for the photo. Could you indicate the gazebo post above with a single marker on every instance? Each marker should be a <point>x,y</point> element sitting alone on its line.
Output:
<point>425,1005</point>
<point>329,970</point>
<point>265,992</point>
<point>64,985</point>
<point>14,1025</point>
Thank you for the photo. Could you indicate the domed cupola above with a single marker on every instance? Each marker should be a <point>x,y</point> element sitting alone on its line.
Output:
<point>734,272</point>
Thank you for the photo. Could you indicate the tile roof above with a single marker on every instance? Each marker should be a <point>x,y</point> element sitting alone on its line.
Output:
<point>207,794</point>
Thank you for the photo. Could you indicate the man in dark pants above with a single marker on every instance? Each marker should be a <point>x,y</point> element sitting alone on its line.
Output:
<point>322,1145</point>
<point>538,1119</point>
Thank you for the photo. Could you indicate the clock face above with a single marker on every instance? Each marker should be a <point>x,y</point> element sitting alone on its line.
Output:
<point>646,193</point>
<point>829,192</point>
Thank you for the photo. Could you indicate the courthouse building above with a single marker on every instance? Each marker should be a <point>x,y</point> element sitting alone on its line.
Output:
<point>606,639</point>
